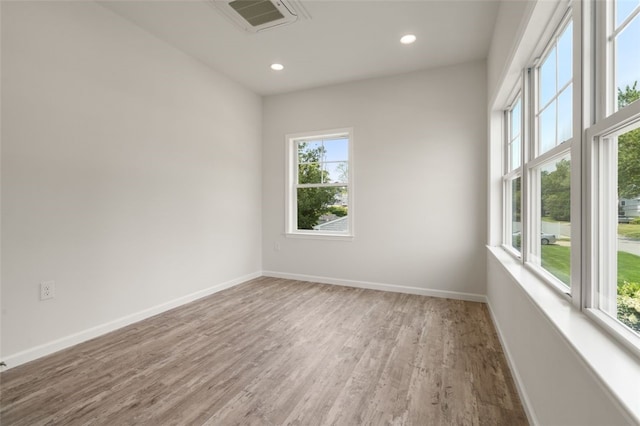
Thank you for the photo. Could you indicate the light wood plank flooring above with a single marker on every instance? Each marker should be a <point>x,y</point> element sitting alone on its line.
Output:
<point>275,352</point>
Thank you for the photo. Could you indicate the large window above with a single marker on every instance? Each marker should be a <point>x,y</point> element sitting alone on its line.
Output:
<point>614,164</point>
<point>549,168</point>
<point>319,196</point>
<point>572,195</point>
<point>617,217</point>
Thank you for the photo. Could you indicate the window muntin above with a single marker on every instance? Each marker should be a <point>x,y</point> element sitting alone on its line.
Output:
<point>319,197</point>
<point>623,46</point>
<point>554,110</point>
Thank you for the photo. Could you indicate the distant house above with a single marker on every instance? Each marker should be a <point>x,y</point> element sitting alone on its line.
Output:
<point>340,224</point>
<point>630,207</point>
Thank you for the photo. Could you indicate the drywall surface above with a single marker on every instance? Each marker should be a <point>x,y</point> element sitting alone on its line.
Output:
<point>510,22</point>
<point>557,386</point>
<point>419,180</point>
<point>130,173</point>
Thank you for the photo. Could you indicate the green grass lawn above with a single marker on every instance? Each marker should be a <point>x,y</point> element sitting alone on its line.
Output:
<point>629,230</point>
<point>555,259</point>
<point>548,219</point>
<point>628,267</point>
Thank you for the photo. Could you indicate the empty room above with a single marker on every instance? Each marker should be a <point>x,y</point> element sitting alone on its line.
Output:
<point>320,212</point>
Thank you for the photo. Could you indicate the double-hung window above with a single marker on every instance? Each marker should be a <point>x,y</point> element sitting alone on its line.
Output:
<point>319,184</point>
<point>549,164</point>
<point>572,196</point>
<point>513,176</point>
<point>613,155</point>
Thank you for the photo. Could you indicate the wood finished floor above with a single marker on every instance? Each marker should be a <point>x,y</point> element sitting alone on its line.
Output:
<point>275,352</point>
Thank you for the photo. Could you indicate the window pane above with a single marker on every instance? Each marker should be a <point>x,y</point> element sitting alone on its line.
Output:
<point>548,78</point>
<point>515,153</point>
<point>516,216</point>
<point>555,215</point>
<point>565,59</point>
<point>624,9</point>
<point>565,118</point>
<point>628,239</point>
<point>627,64</point>
<point>310,173</point>
<point>336,149</point>
<point>323,209</point>
<point>516,119</point>
<point>336,172</point>
<point>309,151</point>
<point>514,139</point>
<point>547,128</point>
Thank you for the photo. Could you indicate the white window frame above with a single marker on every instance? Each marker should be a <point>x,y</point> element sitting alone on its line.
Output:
<point>606,121</point>
<point>533,161</point>
<point>291,181</point>
<point>511,175</point>
<point>601,234</point>
<point>603,120</point>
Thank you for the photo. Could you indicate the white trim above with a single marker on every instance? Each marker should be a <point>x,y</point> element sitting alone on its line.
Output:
<point>555,153</point>
<point>99,330</point>
<point>524,397</point>
<point>620,331</point>
<point>316,235</point>
<point>616,121</point>
<point>575,172</point>
<point>393,288</point>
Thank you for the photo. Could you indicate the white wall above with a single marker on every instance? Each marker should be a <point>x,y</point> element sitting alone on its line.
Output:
<point>510,22</point>
<point>558,386</point>
<point>420,204</point>
<point>130,174</point>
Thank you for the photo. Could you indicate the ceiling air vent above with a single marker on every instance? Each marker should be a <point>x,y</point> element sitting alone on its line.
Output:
<point>258,15</point>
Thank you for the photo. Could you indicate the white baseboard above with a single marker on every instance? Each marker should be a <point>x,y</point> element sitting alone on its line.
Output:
<point>471,297</point>
<point>82,336</point>
<point>524,398</point>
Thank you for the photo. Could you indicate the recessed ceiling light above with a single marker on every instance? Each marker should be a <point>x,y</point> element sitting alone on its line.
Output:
<point>277,67</point>
<point>408,39</point>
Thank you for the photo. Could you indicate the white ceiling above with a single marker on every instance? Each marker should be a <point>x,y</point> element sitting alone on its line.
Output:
<point>343,41</point>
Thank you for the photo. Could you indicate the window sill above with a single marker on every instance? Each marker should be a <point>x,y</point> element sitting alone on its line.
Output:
<point>317,236</point>
<point>617,368</point>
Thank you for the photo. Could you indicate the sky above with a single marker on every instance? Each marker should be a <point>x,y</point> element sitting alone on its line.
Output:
<point>335,158</point>
<point>628,44</point>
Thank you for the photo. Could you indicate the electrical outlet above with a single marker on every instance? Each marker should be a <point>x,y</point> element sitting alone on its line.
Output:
<point>47,290</point>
